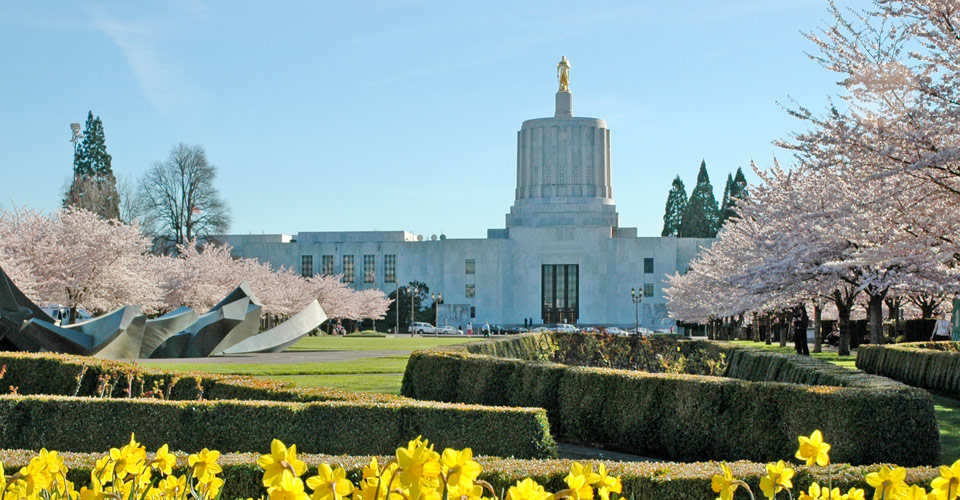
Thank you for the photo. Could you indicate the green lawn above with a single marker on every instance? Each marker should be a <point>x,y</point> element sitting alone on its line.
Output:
<point>947,409</point>
<point>385,383</point>
<point>386,364</point>
<point>333,343</point>
<point>844,361</point>
<point>379,374</point>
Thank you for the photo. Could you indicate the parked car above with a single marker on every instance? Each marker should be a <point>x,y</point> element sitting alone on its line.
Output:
<point>421,328</point>
<point>562,327</point>
<point>449,330</point>
<point>517,329</point>
<point>615,331</point>
<point>590,329</point>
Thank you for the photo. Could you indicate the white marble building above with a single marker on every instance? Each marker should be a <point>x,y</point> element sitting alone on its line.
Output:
<point>561,257</point>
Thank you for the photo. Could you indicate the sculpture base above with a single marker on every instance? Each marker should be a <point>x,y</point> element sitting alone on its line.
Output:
<point>564,105</point>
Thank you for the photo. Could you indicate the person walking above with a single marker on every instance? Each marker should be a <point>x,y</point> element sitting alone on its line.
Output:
<point>800,323</point>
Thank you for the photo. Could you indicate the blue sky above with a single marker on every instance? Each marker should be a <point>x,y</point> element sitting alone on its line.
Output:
<point>399,115</point>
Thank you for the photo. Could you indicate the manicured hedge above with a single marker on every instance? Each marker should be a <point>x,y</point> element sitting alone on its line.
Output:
<point>84,424</point>
<point>641,480</point>
<point>236,413</point>
<point>691,417</point>
<point>930,365</point>
<point>68,375</point>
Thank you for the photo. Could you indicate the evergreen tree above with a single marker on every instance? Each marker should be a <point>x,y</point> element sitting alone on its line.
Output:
<point>701,218</point>
<point>94,186</point>
<point>726,206</point>
<point>673,212</point>
<point>740,185</point>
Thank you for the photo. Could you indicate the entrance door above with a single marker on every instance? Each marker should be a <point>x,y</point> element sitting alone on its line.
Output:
<point>560,293</point>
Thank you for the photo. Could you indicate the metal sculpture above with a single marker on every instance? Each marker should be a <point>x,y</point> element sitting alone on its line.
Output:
<point>229,327</point>
<point>283,335</point>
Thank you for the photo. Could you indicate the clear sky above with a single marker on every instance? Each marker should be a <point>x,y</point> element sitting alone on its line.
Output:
<point>399,115</point>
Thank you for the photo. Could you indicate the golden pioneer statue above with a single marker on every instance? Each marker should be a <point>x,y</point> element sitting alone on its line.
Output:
<point>563,74</point>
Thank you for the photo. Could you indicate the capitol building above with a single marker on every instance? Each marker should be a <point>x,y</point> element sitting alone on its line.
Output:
<point>560,257</point>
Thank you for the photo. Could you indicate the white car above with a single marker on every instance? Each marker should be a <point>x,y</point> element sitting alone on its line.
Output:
<point>421,328</point>
<point>615,331</point>
<point>449,330</point>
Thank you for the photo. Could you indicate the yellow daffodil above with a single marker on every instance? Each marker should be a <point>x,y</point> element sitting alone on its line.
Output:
<point>204,465</point>
<point>374,483</point>
<point>888,483</point>
<point>419,467</point>
<point>605,483</point>
<point>173,486</point>
<point>527,489</point>
<point>34,476</point>
<point>947,486</point>
<point>856,494</point>
<point>777,478</point>
<point>164,461</point>
<point>129,459</point>
<point>914,493</point>
<point>329,483</point>
<point>723,483</point>
<point>3,479</point>
<point>280,462</point>
<point>813,450</point>
<point>289,488</point>
<point>460,468</point>
<point>211,488</point>
<point>578,487</point>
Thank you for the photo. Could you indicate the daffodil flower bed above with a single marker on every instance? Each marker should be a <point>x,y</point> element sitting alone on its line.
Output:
<point>888,483</point>
<point>416,472</point>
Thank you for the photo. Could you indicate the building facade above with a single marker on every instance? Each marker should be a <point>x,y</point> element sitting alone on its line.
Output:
<point>561,256</point>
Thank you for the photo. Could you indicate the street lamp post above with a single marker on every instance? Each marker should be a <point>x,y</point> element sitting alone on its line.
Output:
<point>413,294</point>
<point>437,299</point>
<point>637,298</point>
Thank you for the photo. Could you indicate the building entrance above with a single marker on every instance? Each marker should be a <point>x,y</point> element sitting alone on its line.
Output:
<point>560,293</point>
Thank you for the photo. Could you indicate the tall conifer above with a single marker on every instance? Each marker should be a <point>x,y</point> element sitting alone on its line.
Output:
<point>673,212</point>
<point>726,206</point>
<point>701,219</point>
<point>94,186</point>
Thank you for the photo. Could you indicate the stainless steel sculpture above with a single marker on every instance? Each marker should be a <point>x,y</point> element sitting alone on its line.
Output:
<point>283,335</point>
<point>229,327</point>
<point>115,335</point>
<point>232,320</point>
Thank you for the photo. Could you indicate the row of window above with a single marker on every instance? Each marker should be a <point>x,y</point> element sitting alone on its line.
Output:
<point>369,267</point>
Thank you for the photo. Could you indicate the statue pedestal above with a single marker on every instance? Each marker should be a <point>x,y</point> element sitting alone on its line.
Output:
<point>564,105</point>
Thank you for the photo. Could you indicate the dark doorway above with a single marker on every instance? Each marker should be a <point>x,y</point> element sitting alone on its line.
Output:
<point>560,293</point>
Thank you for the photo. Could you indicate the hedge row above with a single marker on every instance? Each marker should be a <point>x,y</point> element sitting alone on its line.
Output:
<point>191,411</point>
<point>641,480</point>
<point>688,417</point>
<point>69,375</point>
<point>930,365</point>
<point>747,363</point>
<point>84,424</point>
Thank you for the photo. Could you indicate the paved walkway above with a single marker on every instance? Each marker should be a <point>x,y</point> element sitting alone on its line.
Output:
<point>286,357</point>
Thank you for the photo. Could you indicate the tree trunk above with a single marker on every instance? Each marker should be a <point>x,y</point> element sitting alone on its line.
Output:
<point>767,331</point>
<point>817,328</point>
<point>926,310</point>
<point>843,325</point>
<point>875,315</point>
<point>783,329</point>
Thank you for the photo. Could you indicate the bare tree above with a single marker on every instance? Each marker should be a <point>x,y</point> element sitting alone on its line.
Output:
<point>178,202</point>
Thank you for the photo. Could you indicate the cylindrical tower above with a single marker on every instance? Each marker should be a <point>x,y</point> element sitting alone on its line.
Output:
<point>563,171</point>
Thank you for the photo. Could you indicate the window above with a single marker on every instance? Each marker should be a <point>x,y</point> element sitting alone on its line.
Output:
<point>471,291</point>
<point>369,268</point>
<point>648,265</point>
<point>560,293</point>
<point>390,268</point>
<point>473,312</point>
<point>327,264</point>
<point>648,290</point>
<point>306,265</point>
<point>348,268</point>
<point>471,266</point>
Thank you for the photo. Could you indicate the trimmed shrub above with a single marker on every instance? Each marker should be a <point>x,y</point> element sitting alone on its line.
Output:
<point>691,417</point>
<point>930,365</point>
<point>641,480</point>
<point>235,413</point>
<point>84,424</point>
